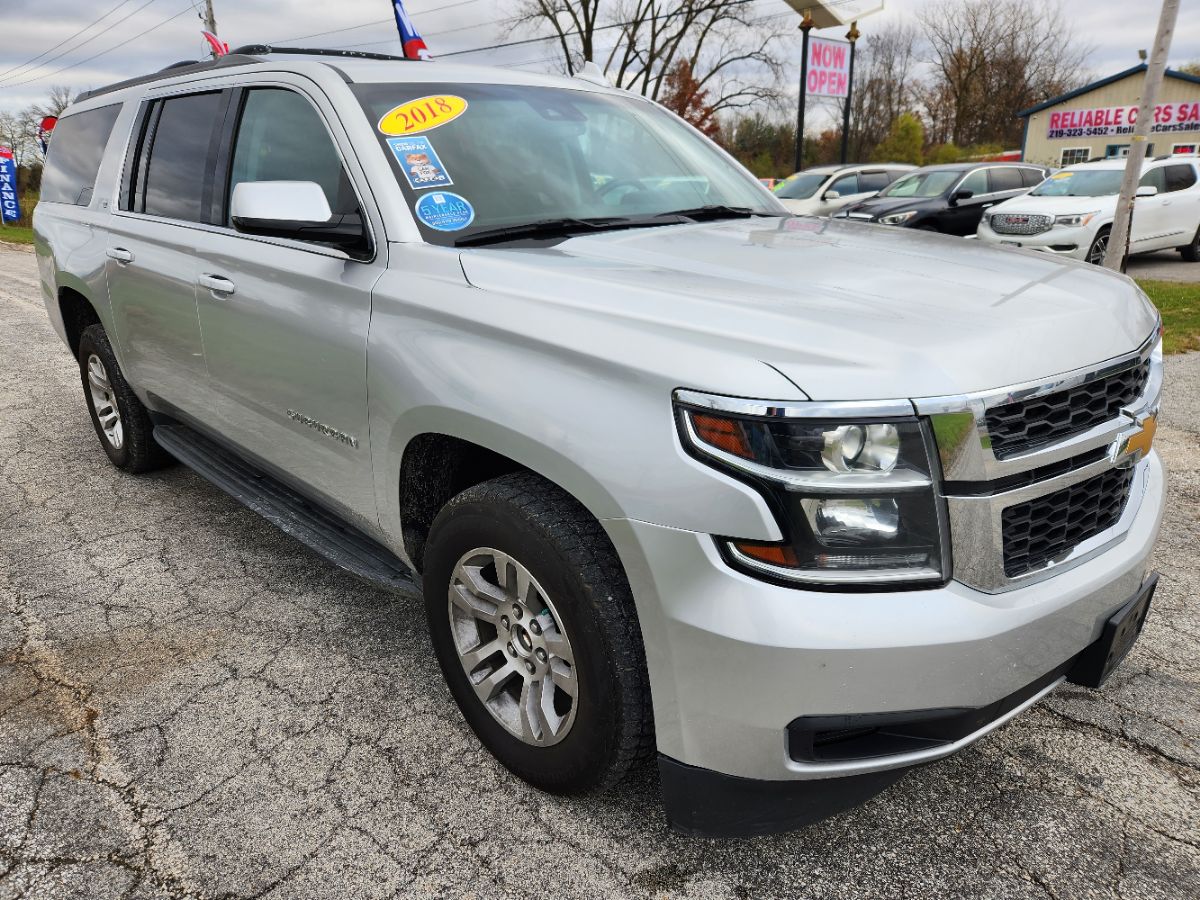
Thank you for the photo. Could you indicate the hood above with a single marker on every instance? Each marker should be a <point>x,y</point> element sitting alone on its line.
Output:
<point>844,311</point>
<point>881,206</point>
<point>1056,206</point>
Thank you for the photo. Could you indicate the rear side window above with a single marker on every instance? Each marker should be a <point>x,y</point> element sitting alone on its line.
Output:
<point>873,181</point>
<point>1180,178</point>
<point>1032,177</point>
<point>76,150</point>
<point>1006,179</point>
<point>177,157</point>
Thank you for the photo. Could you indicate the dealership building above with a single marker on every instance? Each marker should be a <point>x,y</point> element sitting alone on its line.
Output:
<point>1097,120</point>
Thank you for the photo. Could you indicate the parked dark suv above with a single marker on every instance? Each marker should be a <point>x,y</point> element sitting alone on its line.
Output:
<point>950,198</point>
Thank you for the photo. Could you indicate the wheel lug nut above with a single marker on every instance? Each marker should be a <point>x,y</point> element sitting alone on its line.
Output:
<point>517,613</point>
<point>504,623</point>
<point>512,651</point>
<point>530,667</point>
<point>535,627</point>
<point>541,654</point>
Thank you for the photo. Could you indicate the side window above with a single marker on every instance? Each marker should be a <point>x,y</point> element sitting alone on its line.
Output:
<point>1032,177</point>
<point>976,183</point>
<point>178,158</point>
<point>1005,179</point>
<point>846,185</point>
<point>282,138</point>
<point>76,150</point>
<point>1180,178</point>
<point>873,181</point>
<point>1155,178</point>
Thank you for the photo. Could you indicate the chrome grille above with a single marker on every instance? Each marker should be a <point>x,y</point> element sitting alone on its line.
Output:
<point>1025,425</point>
<point>1041,530</point>
<point>1014,223</point>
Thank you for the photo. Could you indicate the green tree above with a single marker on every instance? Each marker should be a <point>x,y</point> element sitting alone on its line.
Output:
<point>904,143</point>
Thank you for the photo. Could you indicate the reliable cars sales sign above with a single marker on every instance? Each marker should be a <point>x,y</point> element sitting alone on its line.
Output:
<point>828,68</point>
<point>1118,120</point>
<point>10,208</point>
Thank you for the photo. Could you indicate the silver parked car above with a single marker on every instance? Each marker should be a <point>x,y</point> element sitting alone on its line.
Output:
<point>790,504</point>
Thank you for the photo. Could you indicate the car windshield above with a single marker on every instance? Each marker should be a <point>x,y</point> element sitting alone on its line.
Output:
<point>475,158</point>
<point>921,184</point>
<point>1080,183</point>
<point>801,186</point>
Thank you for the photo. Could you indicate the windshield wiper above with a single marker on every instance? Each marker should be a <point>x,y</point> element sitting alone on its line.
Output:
<point>547,228</point>
<point>709,213</point>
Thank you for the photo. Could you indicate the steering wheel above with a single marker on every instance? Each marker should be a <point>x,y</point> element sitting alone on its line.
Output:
<point>621,182</point>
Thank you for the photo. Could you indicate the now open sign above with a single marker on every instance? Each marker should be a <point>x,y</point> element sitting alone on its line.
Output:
<point>828,68</point>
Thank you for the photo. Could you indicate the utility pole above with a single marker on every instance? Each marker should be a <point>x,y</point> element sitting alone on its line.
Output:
<point>1118,239</point>
<point>210,21</point>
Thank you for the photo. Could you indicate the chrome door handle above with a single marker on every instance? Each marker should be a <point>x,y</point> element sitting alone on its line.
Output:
<point>217,284</point>
<point>120,254</point>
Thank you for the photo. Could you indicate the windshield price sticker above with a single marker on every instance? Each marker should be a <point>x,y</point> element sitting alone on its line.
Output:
<point>444,211</point>
<point>423,114</point>
<point>419,162</point>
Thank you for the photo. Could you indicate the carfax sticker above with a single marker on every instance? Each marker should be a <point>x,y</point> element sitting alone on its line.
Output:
<point>420,162</point>
<point>444,211</point>
<point>423,114</point>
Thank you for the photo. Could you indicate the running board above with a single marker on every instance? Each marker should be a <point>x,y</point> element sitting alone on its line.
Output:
<point>322,532</point>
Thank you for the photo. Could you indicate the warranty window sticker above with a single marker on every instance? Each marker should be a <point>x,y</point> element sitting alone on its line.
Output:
<point>420,162</point>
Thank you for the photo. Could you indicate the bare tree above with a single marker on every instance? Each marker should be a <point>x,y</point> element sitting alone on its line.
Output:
<point>990,60</point>
<point>59,98</point>
<point>16,134</point>
<point>731,51</point>
<point>884,85</point>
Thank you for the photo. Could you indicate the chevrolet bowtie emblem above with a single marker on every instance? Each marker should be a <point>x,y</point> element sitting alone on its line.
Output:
<point>1133,446</point>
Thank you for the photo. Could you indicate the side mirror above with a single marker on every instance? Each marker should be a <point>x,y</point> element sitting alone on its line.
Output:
<point>959,196</point>
<point>1147,190</point>
<point>296,210</point>
<point>832,195</point>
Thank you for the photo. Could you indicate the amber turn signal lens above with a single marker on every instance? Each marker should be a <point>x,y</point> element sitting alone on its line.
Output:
<point>775,554</point>
<point>724,434</point>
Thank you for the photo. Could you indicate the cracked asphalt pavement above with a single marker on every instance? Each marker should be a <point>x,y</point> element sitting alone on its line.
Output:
<point>193,705</point>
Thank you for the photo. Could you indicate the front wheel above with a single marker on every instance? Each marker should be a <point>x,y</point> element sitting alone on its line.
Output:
<point>533,624</point>
<point>1099,248</point>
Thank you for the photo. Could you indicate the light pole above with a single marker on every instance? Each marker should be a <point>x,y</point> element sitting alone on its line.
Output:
<point>852,36</point>
<point>806,26</point>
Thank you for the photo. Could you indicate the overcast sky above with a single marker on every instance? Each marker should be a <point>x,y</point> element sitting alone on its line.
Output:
<point>1116,28</point>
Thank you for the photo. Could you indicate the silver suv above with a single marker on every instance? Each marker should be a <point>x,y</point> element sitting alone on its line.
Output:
<point>791,504</point>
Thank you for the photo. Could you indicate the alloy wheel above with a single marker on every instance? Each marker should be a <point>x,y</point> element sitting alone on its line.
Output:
<point>1098,250</point>
<point>104,402</point>
<point>513,647</point>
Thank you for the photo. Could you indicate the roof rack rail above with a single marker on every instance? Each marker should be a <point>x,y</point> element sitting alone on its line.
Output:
<point>180,68</point>
<point>267,49</point>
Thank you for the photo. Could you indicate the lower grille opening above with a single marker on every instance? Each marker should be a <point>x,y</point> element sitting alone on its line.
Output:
<point>1042,530</point>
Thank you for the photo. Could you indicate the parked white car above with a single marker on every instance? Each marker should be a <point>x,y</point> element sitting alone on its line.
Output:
<point>823,190</point>
<point>1071,212</point>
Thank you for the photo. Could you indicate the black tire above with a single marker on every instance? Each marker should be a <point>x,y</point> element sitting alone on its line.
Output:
<point>1099,247</point>
<point>137,452</point>
<point>1191,252</point>
<point>564,548</point>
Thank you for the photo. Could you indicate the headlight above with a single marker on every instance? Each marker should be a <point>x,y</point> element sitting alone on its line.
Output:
<point>1076,220</point>
<point>897,218</point>
<point>854,497</point>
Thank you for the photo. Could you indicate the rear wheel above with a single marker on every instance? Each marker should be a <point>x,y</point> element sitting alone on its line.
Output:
<point>533,624</point>
<point>1099,248</point>
<point>1191,252</point>
<point>121,421</point>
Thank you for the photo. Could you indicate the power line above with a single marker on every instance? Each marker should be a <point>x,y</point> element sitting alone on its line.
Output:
<point>130,40</point>
<point>93,37</point>
<point>64,40</point>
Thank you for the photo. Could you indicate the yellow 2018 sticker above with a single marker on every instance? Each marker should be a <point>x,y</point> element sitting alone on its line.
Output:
<point>423,114</point>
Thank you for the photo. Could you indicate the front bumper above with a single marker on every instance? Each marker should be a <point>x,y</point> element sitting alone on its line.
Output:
<point>734,660</point>
<point>1072,243</point>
